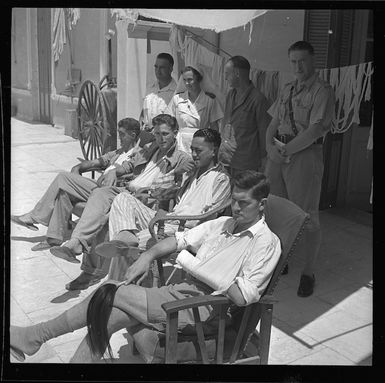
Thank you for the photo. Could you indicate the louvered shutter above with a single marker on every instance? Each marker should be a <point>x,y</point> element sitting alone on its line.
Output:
<point>346,37</point>
<point>317,25</point>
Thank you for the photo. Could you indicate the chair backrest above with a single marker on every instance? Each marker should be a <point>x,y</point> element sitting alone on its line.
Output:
<point>287,221</point>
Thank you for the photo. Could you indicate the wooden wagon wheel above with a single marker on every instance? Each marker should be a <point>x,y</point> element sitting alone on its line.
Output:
<point>103,82</point>
<point>92,117</point>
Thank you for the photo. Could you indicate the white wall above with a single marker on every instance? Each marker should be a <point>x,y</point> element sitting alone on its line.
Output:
<point>157,47</point>
<point>271,36</point>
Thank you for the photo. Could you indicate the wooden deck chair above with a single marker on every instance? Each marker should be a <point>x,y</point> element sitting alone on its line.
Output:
<point>239,343</point>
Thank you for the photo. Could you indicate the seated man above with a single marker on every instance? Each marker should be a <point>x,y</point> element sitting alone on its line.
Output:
<point>148,165</point>
<point>204,188</point>
<point>215,242</point>
<point>55,207</point>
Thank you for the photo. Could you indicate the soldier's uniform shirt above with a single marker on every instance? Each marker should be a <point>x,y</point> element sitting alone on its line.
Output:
<point>300,180</point>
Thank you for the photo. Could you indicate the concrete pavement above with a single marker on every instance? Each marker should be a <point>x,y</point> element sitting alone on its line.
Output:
<point>332,327</point>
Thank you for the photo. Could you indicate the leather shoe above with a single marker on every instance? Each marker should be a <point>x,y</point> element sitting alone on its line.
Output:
<point>306,285</point>
<point>83,281</point>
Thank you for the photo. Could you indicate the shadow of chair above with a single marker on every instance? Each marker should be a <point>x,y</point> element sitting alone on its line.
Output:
<point>237,343</point>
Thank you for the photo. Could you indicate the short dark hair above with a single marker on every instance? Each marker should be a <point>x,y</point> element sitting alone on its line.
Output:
<point>210,135</point>
<point>166,56</point>
<point>252,180</point>
<point>240,62</point>
<point>166,119</point>
<point>301,46</point>
<point>130,124</point>
<point>195,72</point>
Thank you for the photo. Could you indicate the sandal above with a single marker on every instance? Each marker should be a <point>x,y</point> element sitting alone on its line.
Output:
<point>65,253</point>
<point>16,219</point>
<point>44,245</point>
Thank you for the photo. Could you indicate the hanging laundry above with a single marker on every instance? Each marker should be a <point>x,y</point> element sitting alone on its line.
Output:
<point>351,85</point>
<point>59,33</point>
<point>59,28</point>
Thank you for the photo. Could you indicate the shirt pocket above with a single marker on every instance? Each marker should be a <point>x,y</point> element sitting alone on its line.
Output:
<point>302,113</point>
<point>302,109</point>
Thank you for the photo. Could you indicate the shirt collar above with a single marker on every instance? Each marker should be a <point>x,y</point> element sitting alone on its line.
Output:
<point>252,230</point>
<point>170,87</point>
<point>171,156</point>
<point>308,83</point>
<point>217,167</point>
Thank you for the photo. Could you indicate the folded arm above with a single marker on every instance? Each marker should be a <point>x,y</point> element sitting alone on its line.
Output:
<point>86,165</point>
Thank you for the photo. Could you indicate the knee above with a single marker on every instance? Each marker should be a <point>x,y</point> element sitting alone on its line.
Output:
<point>122,201</point>
<point>99,193</point>
<point>62,176</point>
<point>119,199</point>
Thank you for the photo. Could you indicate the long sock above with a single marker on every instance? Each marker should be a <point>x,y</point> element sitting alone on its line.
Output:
<point>118,320</point>
<point>128,237</point>
<point>312,245</point>
<point>29,339</point>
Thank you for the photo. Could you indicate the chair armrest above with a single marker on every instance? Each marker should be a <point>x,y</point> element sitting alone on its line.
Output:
<point>198,217</point>
<point>188,303</point>
<point>267,299</point>
<point>95,169</point>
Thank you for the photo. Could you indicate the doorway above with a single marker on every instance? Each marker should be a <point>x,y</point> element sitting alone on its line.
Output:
<point>44,63</point>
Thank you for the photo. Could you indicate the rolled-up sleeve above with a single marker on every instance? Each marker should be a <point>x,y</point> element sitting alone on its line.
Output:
<point>216,112</point>
<point>323,108</point>
<point>259,268</point>
<point>105,159</point>
<point>273,110</point>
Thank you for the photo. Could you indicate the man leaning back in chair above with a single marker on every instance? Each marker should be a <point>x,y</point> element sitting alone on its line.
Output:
<point>204,188</point>
<point>244,240</point>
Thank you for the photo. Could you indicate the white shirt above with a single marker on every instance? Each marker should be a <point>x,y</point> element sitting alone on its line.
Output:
<point>203,193</point>
<point>193,115</point>
<point>248,257</point>
<point>125,156</point>
<point>157,100</point>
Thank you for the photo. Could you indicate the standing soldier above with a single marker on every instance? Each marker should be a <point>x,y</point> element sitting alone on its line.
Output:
<point>302,115</point>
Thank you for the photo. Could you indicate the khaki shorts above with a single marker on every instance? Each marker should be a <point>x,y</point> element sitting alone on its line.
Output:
<point>156,296</point>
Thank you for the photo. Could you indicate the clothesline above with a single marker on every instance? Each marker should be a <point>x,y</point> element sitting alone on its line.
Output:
<point>351,84</point>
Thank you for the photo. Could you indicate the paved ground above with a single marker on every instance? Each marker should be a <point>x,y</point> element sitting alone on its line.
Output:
<point>332,327</point>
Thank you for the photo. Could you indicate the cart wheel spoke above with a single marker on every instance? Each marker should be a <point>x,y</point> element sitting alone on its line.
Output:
<point>92,119</point>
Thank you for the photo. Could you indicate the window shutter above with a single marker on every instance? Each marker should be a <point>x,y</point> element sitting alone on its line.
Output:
<point>317,25</point>
<point>346,37</point>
